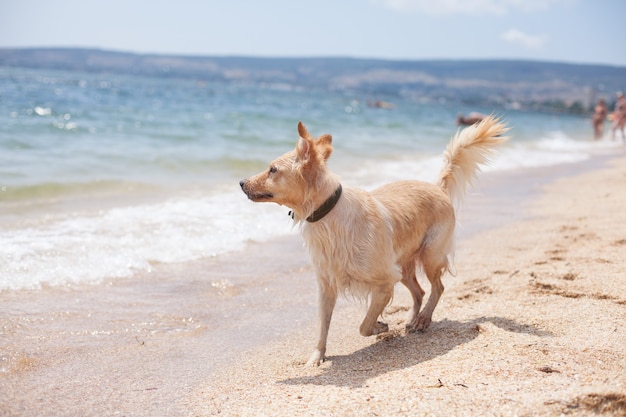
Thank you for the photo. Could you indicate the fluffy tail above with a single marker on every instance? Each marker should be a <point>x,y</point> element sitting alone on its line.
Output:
<point>470,147</point>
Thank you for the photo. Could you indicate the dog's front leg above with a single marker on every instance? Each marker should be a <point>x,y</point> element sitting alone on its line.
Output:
<point>380,297</point>
<point>327,300</point>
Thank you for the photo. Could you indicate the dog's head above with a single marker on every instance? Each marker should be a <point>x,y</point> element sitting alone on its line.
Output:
<point>292,178</point>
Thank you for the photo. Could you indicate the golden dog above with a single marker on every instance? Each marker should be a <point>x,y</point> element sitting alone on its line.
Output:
<point>365,242</point>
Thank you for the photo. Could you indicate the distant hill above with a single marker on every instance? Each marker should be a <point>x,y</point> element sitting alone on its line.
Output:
<point>543,85</point>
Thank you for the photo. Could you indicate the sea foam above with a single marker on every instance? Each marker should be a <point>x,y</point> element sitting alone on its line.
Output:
<point>122,241</point>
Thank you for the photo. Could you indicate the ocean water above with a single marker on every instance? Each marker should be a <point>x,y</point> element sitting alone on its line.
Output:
<point>104,176</point>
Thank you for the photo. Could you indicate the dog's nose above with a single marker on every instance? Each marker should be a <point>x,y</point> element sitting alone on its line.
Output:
<point>242,183</point>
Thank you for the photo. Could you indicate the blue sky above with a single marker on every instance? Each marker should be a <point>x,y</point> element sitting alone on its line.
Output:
<point>576,31</point>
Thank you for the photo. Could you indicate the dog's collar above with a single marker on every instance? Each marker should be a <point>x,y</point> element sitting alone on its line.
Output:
<point>325,208</point>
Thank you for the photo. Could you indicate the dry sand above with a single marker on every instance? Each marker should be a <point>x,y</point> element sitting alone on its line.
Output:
<point>531,324</point>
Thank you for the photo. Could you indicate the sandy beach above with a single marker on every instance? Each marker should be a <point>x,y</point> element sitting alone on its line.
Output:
<point>532,323</point>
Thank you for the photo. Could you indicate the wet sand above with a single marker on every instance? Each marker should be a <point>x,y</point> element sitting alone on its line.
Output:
<point>531,324</point>
<point>137,346</point>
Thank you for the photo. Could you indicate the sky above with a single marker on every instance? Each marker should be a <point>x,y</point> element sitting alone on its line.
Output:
<point>572,31</point>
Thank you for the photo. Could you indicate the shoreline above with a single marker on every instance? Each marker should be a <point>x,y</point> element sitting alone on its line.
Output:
<point>89,236</point>
<point>156,339</point>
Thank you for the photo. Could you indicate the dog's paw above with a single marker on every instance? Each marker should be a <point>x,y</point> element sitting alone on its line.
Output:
<point>422,323</point>
<point>377,328</point>
<point>418,324</point>
<point>317,357</point>
<point>380,327</point>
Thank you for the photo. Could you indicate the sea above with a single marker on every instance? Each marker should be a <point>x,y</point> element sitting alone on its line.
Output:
<point>103,176</point>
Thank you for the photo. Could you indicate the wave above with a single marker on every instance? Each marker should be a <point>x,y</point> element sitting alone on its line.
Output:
<point>119,242</point>
<point>553,148</point>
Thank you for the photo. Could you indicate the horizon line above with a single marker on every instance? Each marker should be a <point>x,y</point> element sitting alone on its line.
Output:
<point>302,57</point>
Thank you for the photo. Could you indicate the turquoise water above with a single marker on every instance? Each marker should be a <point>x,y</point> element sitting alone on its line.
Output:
<point>104,175</point>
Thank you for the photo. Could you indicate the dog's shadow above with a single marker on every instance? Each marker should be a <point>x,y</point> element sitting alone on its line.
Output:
<point>393,352</point>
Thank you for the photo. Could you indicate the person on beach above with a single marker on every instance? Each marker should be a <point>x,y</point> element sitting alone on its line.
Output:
<point>470,119</point>
<point>599,116</point>
<point>619,116</point>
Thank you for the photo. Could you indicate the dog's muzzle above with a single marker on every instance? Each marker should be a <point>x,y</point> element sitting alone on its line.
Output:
<point>242,184</point>
<point>254,196</point>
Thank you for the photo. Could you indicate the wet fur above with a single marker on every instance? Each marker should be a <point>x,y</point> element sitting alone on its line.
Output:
<point>371,240</point>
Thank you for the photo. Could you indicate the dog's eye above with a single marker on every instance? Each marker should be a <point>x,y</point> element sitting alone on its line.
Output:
<point>273,170</point>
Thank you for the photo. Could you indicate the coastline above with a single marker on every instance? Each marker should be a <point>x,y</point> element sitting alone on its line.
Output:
<point>155,344</point>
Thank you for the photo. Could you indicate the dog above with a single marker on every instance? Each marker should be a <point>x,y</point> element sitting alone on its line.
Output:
<point>362,243</point>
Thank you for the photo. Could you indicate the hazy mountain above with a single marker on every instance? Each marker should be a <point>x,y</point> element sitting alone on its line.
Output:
<point>527,83</point>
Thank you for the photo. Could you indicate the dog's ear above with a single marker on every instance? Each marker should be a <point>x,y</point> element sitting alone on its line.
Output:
<point>309,149</point>
<point>304,147</point>
<point>303,132</point>
<point>324,146</point>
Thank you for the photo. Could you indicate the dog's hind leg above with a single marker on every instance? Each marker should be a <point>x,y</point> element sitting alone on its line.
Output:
<point>410,281</point>
<point>434,260</point>
<point>380,297</point>
<point>434,273</point>
<point>327,300</point>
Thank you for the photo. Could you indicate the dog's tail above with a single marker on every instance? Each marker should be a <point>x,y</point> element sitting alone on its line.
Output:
<point>470,147</point>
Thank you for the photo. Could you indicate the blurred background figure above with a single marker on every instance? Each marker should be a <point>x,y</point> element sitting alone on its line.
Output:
<point>470,119</point>
<point>619,116</point>
<point>379,104</point>
<point>599,116</point>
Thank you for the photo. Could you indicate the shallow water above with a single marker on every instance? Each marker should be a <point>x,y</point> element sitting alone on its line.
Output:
<point>104,176</point>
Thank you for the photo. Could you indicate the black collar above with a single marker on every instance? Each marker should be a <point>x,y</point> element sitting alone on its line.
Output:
<point>325,208</point>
